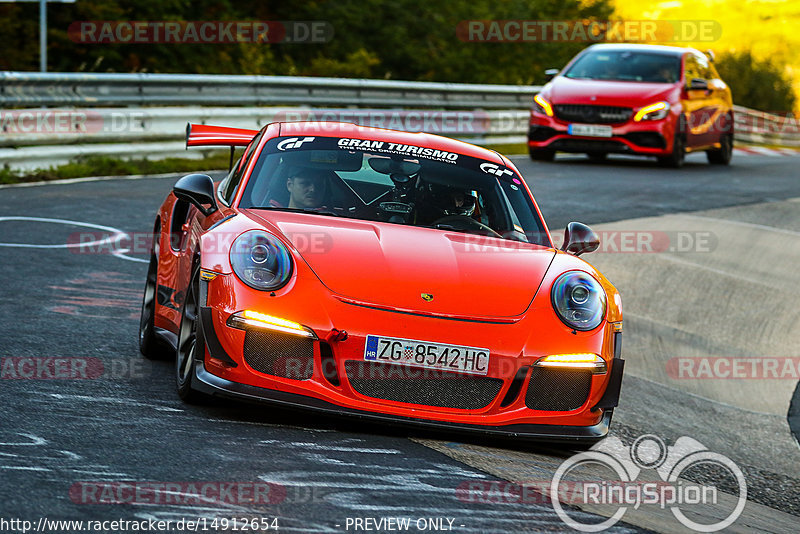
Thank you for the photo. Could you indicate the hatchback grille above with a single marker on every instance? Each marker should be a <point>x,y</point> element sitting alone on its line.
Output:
<point>558,390</point>
<point>279,354</point>
<point>428,387</point>
<point>592,114</point>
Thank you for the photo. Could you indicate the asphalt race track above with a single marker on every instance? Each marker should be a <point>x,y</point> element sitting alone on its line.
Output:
<point>63,438</point>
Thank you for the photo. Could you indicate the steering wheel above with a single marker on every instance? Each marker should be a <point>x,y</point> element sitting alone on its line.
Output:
<point>464,222</point>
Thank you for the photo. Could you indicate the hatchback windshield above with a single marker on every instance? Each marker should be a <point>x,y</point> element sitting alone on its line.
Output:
<point>395,183</point>
<point>627,65</point>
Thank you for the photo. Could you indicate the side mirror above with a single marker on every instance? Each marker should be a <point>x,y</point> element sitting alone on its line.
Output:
<point>698,84</point>
<point>551,73</point>
<point>579,238</point>
<point>197,189</point>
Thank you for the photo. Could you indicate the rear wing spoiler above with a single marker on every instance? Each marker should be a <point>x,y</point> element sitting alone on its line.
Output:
<point>207,135</point>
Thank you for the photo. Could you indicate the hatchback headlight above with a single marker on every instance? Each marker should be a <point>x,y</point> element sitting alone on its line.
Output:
<point>579,300</point>
<point>261,261</point>
<point>653,112</point>
<point>541,105</point>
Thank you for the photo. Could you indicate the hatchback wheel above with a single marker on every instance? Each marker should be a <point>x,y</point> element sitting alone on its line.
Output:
<point>723,154</point>
<point>678,155</point>
<point>542,154</point>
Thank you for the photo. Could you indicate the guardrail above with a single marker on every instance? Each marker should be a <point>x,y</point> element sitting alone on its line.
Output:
<point>27,89</point>
<point>761,128</point>
<point>80,115</point>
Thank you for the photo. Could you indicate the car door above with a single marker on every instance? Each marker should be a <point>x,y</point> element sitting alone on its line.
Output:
<point>701,108</point>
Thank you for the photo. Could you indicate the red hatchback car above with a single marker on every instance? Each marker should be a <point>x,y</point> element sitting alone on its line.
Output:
<point>649,100</point>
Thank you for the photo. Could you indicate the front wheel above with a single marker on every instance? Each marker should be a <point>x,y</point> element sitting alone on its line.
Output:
<point>723,154</point>
<point>187,342</point>
<point>151,346</point>
<point>678,155</point>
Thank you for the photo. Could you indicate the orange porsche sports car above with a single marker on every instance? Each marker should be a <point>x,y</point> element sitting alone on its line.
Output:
<point>404,277</point>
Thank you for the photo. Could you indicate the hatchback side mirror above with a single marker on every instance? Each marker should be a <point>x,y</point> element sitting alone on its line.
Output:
<point>551,73</point>
<point>698,84</point>
<point>197,189</point>
<point>579,238</point>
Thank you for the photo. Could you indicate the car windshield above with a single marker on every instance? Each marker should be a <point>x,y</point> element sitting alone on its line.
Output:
<point>395,183</point>
<point>627,65</point>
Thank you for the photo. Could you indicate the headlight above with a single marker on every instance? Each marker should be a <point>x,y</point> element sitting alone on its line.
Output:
<point>261,261</point>
<point>542,106</point>
<point>653,112</point>
<point>579,300</point>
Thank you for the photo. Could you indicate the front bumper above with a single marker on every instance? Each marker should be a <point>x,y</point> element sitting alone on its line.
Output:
<point>652,138</point>
<point>588,423</point>
<point>213,385</point>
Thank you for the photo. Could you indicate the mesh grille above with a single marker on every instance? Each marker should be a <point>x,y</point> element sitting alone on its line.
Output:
<point>558,390</point>
<point>592,114</point>
<point>429,387</point>
<point>278,354</point>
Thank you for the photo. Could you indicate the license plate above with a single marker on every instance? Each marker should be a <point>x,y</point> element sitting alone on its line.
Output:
<point>590,130</point>
<point>425,354</point>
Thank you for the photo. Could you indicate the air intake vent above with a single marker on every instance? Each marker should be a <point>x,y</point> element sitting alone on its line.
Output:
<point>278,354</point>
<point>428,387</point>
<point>558,390</point>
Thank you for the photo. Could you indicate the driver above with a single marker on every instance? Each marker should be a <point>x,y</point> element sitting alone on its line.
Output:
<point>460,203</point>
<point>305,190</point>
<point>439,201</point>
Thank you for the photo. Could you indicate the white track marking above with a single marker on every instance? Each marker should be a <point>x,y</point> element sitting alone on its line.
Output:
<point>24,468</point>
<point>114,400</point>
<point>71,455</point>
<point>34,441</point>
<point>67,181</point>
<point>117,236</point>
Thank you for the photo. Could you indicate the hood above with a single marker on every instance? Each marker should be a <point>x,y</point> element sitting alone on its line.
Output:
<point>607,93</point>
<point>393,265</point>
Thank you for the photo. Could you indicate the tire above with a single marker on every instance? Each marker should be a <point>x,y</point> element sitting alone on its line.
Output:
<point>722,155</point>
<point>676,158</point>
<point>187,341</point>
<point>597,156</point>
<point>150,345</point>
<point>542,154</point>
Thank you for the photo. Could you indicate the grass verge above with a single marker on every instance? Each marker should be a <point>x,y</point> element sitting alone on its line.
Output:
<point>107,166</point>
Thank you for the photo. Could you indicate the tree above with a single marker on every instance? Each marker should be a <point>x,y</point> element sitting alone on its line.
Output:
<point>389,39</point>
<point>756,84</point>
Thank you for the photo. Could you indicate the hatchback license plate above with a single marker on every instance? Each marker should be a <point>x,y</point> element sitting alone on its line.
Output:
<point>590,130</point>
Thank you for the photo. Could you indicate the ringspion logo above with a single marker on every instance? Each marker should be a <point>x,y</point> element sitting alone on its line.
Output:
<point>673,491</point>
